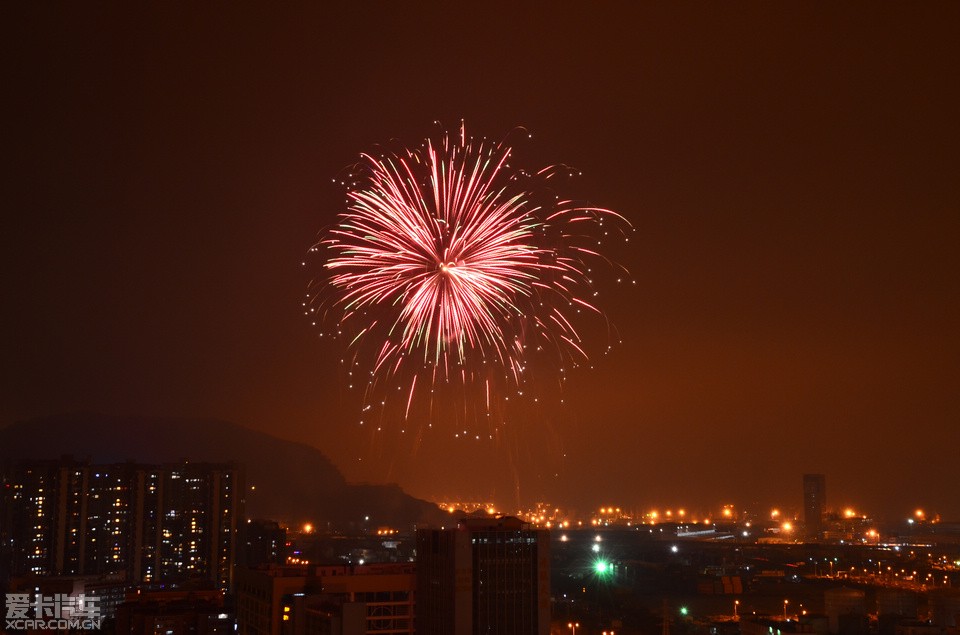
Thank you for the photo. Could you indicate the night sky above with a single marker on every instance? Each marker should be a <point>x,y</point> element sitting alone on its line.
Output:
<point>792,172</point>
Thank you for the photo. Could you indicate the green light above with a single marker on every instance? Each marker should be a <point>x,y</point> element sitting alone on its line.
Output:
<point>683,610</point>
<point>602,567</point>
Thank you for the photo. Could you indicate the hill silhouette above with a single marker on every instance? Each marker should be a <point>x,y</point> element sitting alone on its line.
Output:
<point>294,482</point>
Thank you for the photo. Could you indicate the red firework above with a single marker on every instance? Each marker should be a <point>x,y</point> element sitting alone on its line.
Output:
<point>447,259</point>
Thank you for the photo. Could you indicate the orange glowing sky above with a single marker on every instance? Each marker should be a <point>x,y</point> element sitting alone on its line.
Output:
<point>791,172</point>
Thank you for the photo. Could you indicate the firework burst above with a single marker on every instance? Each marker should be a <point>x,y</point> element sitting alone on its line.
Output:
<point>451,266</point>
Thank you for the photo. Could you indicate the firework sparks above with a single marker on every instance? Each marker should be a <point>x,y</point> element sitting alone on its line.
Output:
<point>448,260</point>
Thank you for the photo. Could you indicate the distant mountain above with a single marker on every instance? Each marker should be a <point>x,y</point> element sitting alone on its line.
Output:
<point>293,481</point>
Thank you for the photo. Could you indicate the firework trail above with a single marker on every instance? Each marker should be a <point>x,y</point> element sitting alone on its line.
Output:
<point>450,266</point>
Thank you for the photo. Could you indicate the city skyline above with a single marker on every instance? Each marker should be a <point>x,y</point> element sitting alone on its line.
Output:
<point>789,171</point>
<point>298,484</point>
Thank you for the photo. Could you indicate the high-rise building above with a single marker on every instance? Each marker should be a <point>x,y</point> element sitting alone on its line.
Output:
<point>150,522</point>
<point>814,503</point>
<point>107,591</point>
<point>483,576</point>
<point>200,522</point>
<point>173,613</point>
<point>264,542</point>
<point>328,599</point>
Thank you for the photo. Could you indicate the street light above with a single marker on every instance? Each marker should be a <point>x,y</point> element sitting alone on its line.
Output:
<point>785,603</point>
<point>736,603</point>
<point>573,626</point>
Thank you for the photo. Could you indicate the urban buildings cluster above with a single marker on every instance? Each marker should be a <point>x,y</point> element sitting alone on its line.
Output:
<point>168,549</point>
<point>148,522</point>
<point>486,575</point>
<point>811,520</point>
